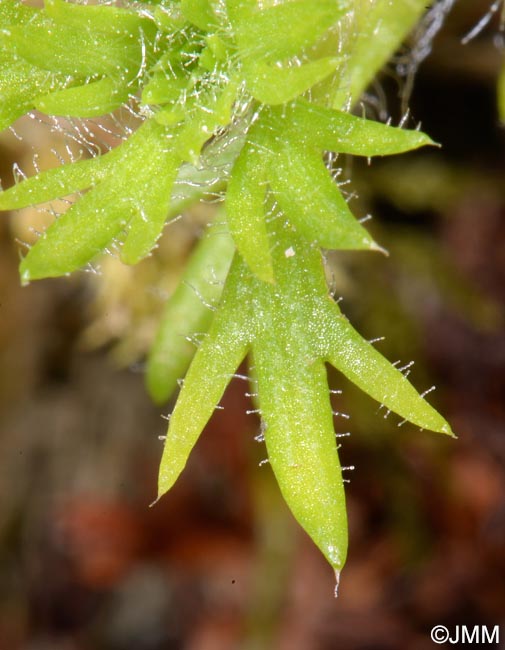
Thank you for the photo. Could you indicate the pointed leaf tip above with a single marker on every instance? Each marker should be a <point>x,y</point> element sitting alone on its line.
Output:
<point>374,374</point>
<point>379,249</point>
<point>25,276</point>
<point>337,583</point>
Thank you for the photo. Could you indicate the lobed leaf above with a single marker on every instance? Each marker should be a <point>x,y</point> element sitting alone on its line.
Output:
<point>213,111</point>
<point>151,207</point>
<point>86,60</point>
<point>130,194</point>
<point>20,85</point>
<point>77,236</point>
<point>293,327</point>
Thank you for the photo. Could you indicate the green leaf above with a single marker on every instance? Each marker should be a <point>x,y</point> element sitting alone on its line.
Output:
<point>151,208</point>
<point>312,201</point>
<point>168,17</point>
<point>209,178</point>
<point>103,18</point>
<point>188,312</point>
<point>271,84</point>
<point>78,235</point>
<point>199,71</point>
<point>293,327</point>
<point>131,195</point>
<point>212,367</point>
<point>334,130</point>
<point>213,111</point>
<point>20,82</point>
<point>57,182</point>
<point>245,198</point>
<point>215,53</point>
<point>378,31</point>
<point>163,89</point>
<point>13,12</point>
<point>360,362</point>
<point>300,439</point>
<point>41,55</point>
<point>91,100</point>
<point>239,11</point>
<point>283,30</point>
<point>20,85</point>
<point>74,51</point>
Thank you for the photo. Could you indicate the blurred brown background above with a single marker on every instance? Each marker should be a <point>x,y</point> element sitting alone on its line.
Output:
<point>219,563</point>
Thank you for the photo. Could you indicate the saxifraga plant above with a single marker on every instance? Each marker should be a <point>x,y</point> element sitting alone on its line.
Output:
<point>251,99</point>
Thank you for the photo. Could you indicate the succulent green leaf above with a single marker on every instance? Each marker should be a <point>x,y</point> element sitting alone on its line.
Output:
<point>130,195</point>
<point>103,18</point>
<point>94,99</point>
<point>293,327</point>
<point>74,51</point>
<point>283,30</point>
<point>311,200</point>
<point>375,375</point>
<point>379,29</point>
<point>188,312</point>
<point>334,130</point>
<point>57,182</point>
<point>20,82</point>
<point>215,362</point>
<point>300,439</point>
<point>245,200</point>
<point>271,84</point>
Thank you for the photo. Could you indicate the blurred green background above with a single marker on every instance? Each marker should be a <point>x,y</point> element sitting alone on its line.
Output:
<point>219,563</point>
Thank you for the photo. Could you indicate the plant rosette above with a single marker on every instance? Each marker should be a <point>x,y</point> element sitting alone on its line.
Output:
<point>247,99</point>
